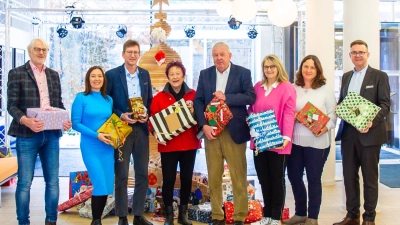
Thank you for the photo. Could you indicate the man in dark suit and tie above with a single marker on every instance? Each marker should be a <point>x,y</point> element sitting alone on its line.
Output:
<point>231,83</point>
<point>361,148</point>
<point>33,85</point>
<point>124,82</point>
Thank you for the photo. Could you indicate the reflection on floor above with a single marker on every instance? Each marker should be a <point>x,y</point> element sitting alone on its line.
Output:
<point>330,210</point>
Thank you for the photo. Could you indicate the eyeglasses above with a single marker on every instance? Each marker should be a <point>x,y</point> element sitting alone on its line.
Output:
<point>38,50</point>
<point>269,67</point>
<point>357,53</point>
<point>132,52</point>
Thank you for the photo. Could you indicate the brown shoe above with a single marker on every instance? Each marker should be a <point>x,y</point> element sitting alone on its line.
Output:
<point>348,221</point>
<point>368,223</point>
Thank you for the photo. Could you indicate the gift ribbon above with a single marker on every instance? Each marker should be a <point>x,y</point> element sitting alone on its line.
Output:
<point>121,137</point>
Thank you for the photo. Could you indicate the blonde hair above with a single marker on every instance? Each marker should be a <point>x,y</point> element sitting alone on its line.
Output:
<point>281,76</point>
<point>32,44</point>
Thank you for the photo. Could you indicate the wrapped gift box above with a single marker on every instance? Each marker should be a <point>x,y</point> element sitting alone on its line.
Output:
<point>139,111</point>
<point>254,213</point>
<point>218,115</point>
<point>251,189</point>
<point>313,118</point>
<point>357,111</point>
<point>53,118</point>
<point>117,129</point>
<point>264,131</point>
<point>77,199</point>
<point>77,181</point>
<point>285,213</point>
<point>86,210</point>
<point>172,121</point>
<point>201,213</point>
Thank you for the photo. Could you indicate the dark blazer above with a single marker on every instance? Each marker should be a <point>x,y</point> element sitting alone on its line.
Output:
<point>378,92</point>
<point>239,93</point>
<point>23,93</point>
<point>118,90</point>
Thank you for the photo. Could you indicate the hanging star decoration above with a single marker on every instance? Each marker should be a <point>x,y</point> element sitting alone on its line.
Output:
<point>155,2</point>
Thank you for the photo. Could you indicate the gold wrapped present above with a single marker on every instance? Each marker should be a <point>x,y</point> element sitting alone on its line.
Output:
<point>118,131</point>
<point>138,109</point>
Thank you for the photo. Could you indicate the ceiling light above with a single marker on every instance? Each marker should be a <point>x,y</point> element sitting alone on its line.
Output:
<point>122,30</point>
<point>190,32</point>
<point>233,23</point>
<point>62,31</point>
<point>252,32</point>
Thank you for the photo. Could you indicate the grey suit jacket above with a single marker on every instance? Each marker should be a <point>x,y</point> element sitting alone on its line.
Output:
<point>23,93</point>
<point>375,88</point>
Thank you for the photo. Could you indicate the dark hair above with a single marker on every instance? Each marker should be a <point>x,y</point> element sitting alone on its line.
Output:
<point>358,42</point>
<point>130,43</point>
<point>319,79</point>
<point>88,88</point>
<point>177,64</point>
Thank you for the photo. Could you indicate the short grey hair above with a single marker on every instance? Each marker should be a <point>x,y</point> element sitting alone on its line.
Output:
<point>221,43</point>
<point>32,44</point>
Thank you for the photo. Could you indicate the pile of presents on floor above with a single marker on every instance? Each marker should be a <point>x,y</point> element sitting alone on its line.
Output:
<point>199,205</point>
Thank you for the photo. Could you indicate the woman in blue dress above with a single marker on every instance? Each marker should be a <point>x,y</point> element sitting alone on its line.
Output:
<point>90,110</point>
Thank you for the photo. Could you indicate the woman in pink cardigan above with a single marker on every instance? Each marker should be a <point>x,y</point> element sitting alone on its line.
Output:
<point>274,91</point>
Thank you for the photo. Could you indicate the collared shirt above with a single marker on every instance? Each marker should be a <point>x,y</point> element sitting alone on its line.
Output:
<point>268,90</point>
<point>357,80</point>
<point>222,79</point>
<point>133,83</point>
<point>41,82</point>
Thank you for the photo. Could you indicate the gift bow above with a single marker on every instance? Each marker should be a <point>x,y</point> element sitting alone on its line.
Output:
<point>116,125</point>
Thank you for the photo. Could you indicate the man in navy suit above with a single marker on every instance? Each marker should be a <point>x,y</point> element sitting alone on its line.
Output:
<point>361,148</point>
<point>124,82</point>
<point>231,83</point>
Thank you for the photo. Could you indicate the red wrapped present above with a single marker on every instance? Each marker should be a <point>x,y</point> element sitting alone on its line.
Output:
<point>78,198</point>
<point>285,213</point>
<point>218,115</point>
<point>254,214</point>
<point>313,118</point>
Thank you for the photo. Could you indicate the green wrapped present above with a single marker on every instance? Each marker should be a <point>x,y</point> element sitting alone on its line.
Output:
<point>357,111</point>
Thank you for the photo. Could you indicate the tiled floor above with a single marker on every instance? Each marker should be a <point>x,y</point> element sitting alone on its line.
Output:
<point>330,210</point>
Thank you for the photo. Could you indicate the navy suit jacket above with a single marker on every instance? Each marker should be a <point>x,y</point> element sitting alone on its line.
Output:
<point>118,90</point>
<point>378,92</point>
<point>23,93</point>
<point>239,93</point>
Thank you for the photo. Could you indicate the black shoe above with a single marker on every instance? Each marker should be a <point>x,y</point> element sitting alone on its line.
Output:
<point>96,222</point>
<point>217,222</point>
<point>50,223</point>
<point>182,217</point>
<point>169,215</point>
<point>238,223</point>
<point>123,221</point>
<point>141,220</point>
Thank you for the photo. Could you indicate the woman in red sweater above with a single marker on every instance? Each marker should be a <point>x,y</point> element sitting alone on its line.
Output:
<point>181,148</point>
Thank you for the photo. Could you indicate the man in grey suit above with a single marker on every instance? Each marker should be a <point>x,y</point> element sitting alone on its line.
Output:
<point>124,82</point>
<point>361,148</point>
<point>231,83</point>
<point>33,85</point>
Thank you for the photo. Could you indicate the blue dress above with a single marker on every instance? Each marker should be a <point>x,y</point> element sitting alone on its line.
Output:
<point>89,112</point>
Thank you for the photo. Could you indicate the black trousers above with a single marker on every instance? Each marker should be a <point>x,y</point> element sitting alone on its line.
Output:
<point>354,156</point>
<point>169,163</point>
<point>270,167</point>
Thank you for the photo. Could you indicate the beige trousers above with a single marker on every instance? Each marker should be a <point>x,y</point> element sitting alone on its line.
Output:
<point>223,147</point>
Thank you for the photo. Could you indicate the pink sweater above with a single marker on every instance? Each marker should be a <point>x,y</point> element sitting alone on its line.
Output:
<point>283,100</point>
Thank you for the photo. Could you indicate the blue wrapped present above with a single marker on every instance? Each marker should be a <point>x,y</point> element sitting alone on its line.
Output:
<point>265,131</point>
